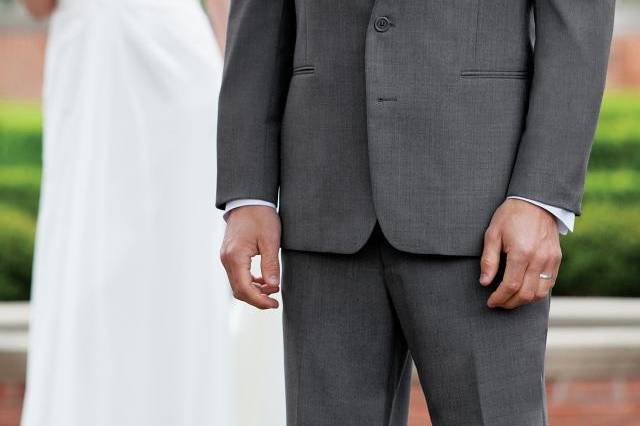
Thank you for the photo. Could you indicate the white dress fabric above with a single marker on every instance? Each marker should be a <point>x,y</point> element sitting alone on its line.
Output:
<point>258,365</point>
<point>130,308</point>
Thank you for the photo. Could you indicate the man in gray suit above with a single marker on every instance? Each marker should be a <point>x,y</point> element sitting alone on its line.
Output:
<point>415,147</point>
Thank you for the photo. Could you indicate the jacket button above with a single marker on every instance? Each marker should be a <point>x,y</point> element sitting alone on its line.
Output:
<point>382,24</point>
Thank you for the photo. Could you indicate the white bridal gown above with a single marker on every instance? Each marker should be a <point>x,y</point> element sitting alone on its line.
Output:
<point>130,309</point>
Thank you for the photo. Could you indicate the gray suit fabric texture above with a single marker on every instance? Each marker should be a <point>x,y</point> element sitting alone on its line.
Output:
<point>389,132</point>
<point>421,115</point>
<point>350,321</point>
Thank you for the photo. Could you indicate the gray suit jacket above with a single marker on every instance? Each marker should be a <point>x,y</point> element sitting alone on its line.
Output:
<point>422,115</point>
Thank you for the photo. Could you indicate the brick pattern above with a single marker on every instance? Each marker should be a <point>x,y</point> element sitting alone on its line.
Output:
<point>571,403</point>
<point>624,63</point>
<point>22,54</point>
<point>599,403</point>
<point>11,403</point>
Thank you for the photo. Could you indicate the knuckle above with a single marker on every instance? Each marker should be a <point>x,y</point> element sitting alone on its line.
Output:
<point>487,262</point>
<point>527,251</point>
<point>230,254</point>
<point>527,296</point>
<point>225,254</point>
<point>540,257</point>
<point>227,250</point>
<point>237,294</point>
<point>491,234</point>
<point>513,286</point>
<point>557,255</point>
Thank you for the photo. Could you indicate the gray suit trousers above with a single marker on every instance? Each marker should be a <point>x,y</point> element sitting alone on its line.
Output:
<point>352,322</point>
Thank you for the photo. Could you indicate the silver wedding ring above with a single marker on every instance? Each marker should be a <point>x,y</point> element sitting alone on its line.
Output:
<point>546,276</point>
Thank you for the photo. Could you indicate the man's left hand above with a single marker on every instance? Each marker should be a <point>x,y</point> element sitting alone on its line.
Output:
<point>529,236</point>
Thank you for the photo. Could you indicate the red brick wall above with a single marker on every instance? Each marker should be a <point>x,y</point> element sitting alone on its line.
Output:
<point>624,65</point>
<point>22,57</point>
<point>614,402</point>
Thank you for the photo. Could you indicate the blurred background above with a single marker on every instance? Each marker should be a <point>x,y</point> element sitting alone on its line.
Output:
<point>593,362</point>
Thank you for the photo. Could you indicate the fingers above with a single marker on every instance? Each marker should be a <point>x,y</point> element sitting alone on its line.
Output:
<point>269,262</point>
<point>533,287</point>
<point>237,263</point>
<point>252,230</point>
<point>490,259</point>
<point>529,236</point>
<point>512,281</point>
<point>528,290</point>
<point>552,266</point>
<point>544,287</point>
<point>255,297</point>
<point>258,282</point>
<point>267,289</point>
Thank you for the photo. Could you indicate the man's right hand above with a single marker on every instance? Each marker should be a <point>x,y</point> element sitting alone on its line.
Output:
<point>251,231</point>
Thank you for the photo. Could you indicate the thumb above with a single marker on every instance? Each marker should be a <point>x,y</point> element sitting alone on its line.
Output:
<point>490,259</point>
<point>269,262</point>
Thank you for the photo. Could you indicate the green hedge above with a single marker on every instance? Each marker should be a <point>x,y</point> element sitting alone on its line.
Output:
<point>20,154</point>
<point>618,133</point>
<point>20,133</point>
<point>601,258</point>
<point>20,185</point>
<point>619,186</point>
<point>17,231</point>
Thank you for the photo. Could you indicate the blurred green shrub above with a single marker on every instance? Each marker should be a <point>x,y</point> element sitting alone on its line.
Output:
<point>618,133</point>
<point>20,153</point>
<point>16,251</point>
<point>20,133</point>
<point>602,258</point>
<point>20,185</point>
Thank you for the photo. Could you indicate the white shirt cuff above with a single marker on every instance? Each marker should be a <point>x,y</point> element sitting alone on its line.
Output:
<point>244,202</point>
<point>564,218</point>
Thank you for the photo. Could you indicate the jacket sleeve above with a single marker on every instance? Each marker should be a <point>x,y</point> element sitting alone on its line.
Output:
<point>572,41</point>
<point>257,70</point>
